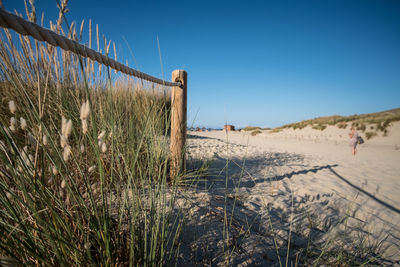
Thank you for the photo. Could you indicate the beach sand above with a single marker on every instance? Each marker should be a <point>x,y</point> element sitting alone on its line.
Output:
<point>259,190</point>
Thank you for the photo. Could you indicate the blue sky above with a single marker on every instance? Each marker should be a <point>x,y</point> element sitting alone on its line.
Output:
<point>264,63</point>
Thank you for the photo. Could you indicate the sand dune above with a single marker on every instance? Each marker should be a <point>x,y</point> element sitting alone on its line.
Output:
<point>304,183</point>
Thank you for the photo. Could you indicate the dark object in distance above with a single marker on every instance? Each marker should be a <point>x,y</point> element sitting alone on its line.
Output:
<point>360,140</point>
<point>229,127</point>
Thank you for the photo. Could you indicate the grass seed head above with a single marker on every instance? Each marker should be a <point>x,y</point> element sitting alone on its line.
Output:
<point>104,148</point>
<point>54,170</point>
<point>12,107</point>
<point>91,168</point>
<point>63,141</point>
<point>23,123</point>
<point>85,110</point>
<point>68,128</point>
<point>101,135</point>
<point>63,124</point>
<point>66,153</point>
<point>13,124</point>
<point>87,246</point>
<point>45,140</point>
<point>84,126</point>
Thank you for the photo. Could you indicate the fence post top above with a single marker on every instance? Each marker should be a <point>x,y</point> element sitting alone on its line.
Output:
<point>179,76</point>
<point>178,71</point>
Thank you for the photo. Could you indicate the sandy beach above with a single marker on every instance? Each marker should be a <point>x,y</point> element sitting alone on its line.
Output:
<point>303,184</point>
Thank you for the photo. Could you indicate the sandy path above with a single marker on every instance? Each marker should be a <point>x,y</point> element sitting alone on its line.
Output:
<point>336,196</point>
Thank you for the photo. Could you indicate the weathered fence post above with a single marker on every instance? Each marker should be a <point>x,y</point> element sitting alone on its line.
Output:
<point>178,123</point>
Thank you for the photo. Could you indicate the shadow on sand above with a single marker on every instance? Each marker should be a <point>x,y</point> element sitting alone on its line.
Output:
<point>258,229</point>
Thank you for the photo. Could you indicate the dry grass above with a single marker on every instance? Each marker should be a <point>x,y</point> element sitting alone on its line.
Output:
<point>251,128</point>
<point>254,133</point>
<point>83,160</point>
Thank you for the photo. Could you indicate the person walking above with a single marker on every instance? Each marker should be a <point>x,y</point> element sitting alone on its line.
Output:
<point>353,140</point>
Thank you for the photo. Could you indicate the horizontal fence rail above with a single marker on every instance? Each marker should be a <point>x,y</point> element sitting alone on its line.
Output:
<point>21,26</point>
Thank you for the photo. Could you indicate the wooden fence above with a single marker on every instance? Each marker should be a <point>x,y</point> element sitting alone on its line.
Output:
<point>178,83</point>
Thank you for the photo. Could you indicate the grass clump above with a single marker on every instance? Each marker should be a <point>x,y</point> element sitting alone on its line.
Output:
<point>254,133</point>
<point>83,161</point>
<point>320,127</point>
<point>275,130</point>
<point>369,135</point>
<point>251,128</point>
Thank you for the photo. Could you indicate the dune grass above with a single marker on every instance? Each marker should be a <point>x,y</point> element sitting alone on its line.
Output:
<point>251,128</point>
<point>255,132</point>
<point>380,121</point>
<point>83,160</point>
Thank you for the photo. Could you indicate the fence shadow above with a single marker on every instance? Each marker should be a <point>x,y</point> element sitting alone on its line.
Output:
<point>392,208</point>
<point>258,233</point>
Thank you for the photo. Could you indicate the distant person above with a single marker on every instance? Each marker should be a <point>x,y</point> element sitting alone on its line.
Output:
<point>353,140</point>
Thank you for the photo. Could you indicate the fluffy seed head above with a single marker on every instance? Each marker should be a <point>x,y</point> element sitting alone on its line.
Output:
<point>63,141</point>
<point>63,184</point>
<point>13,124</point>
<point>63,124</point>
<point>104,148</point>
<point>92,168</point>
<point>12,107</point>
<point>23,123</point>
<point>68,128</point>
<point>82,113</point>
<point>45,140</point>
<point>101,135</point>
<point>54,170</point>
<point>82,148</point>
<point>87,246</point>
<point>66,153</point>
<point>84,126</point>
<point>85,110</point>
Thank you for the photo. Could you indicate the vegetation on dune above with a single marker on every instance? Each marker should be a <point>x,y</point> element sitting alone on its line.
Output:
<point>320,127</point>
<point>379,121</point>
<point>254,133</point>
<point>251,128</point>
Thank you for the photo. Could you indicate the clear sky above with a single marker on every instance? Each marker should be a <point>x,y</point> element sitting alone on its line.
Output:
<point>264,63</point>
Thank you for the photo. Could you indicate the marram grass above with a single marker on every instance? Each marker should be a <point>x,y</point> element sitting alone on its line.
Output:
<point>83,162</point>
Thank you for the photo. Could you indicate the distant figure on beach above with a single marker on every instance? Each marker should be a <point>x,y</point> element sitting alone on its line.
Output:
<point>353,140</point>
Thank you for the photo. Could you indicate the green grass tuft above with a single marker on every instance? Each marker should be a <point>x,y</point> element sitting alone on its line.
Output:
<point>254,133</point>
<point>251,128</point>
